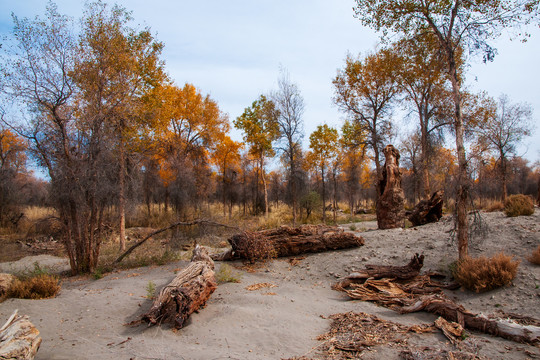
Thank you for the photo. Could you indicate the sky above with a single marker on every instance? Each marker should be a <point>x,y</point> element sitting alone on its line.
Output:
<point>233,50</point>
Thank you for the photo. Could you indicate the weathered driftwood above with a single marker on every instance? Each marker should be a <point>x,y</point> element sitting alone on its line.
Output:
<point>409,271</point>
<point>391,201</point>
<point>288,241</point>
<point>19,338</point>
<point>428,211</point>
<point>505,328</point>
<point>187,293</point>
<point>421,292</point>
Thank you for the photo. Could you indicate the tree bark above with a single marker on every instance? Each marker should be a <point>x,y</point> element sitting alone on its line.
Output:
<point>427,211</point>
<point>19,338</point>
<point>187,293</point>
<point>390,203</point>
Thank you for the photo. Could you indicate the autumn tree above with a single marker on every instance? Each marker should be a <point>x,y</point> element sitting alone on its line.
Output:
<point>456,25</point>
<point>117,69</point>
<point>12,164</point>
<point>290,106</point>
<point>364,90</point>
<point>260,127</point>
<point>353,154</point>
<point>70,144</point>
<point>422,78</point>
<point>226,156</point>
<point>323,143</point>
<point>503,130</point>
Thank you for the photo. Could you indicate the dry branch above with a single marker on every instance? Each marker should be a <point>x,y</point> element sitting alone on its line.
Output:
<point>172,226</point>
<point>19,338</point>
<point>187,293</point>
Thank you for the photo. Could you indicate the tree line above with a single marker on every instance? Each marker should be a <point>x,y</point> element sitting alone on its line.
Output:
<point>94,106</point>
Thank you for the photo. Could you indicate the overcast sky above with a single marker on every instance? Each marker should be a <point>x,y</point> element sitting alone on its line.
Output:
<point>233,50</point>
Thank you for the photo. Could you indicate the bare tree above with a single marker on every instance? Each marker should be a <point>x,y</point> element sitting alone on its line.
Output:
<point>290,105</point>
<point>503,130</point>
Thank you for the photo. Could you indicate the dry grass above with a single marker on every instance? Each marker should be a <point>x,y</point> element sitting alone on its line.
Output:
<point>493,206</point>
<point>42,286</point>
<point>535,256</point>
<point>483,273</point>
<point>517,205</point>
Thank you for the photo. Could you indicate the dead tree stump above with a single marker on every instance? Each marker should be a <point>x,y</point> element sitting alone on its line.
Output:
<point>428,211</point>
<point>390,204</point>
<point>187,293</point>
<point>19,338</point>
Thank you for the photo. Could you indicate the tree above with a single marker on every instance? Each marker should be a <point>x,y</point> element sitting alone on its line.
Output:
<point>353,157</point>
<point>364,90</point>
<point>226,156</point>
<point>67,142</point>
<point>12,164</point>
<point>323,143</point>
<point>259,123</point>
<point>422,78</point>
<point>290,105</point>
<point>117,71</point>
<point>456,25</point>
<point>503,130</point>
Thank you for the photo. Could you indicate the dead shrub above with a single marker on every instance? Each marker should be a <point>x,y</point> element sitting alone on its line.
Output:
<point>535,256</point>
<point>253,247</point>
<point>42,286</point>
<point>483,273</point>
<point>494,206</point>
<point>516,205</point>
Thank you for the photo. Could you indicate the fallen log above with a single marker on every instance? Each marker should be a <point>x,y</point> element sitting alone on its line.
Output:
<point>288,241</point>
<point>428,211</point>
<point>409,271</point>
<point>19,338</point>
<point>420,292</point>
<point>187,293</point>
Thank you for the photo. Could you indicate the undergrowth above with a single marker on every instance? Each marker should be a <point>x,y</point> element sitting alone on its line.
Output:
<point>484,274</point>
<point>226,274</point>
<point>35,284</point>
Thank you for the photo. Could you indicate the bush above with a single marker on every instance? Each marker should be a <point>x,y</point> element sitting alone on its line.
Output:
<point>42,286</point>
<point>516,205</point>
<point>535,256</point>
<point>483,274</point>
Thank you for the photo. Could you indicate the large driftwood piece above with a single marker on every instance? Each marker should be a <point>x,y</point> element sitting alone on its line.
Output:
<point>288,241</point>
<point>187,293</point>
<point>420,292</point>
<point>391,201</point>
<point>428,211</point>
<point>19,338</point>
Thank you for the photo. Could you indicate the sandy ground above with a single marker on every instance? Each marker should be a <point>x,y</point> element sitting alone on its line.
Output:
<point>87,319</point>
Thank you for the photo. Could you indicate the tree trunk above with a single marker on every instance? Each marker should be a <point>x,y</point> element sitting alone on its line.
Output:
<point>122,197</point>
<point>187,293</point>
<point>503,177</point>
<point>19,338</point>
<point>266,213</point>
<point>428,211</point>
<point>287,241</point>
<point>390,203</point>
<point>323,196</point>
<point>463,178</point>
<point>425,158</point>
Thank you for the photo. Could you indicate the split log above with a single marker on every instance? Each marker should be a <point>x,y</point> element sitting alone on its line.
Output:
<point>288,241</point>
<point>187,293</point>
<point>409,271</point>
<point>391,200</point>
<point>19,338</point>
<point>428,211</point>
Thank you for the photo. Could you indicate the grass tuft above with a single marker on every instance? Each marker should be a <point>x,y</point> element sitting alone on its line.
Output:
<point>226,274</point>
<point>42,286</point>
<point>484,274</point>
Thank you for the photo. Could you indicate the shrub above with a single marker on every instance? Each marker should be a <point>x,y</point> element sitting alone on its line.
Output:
<point>150,290</point>
<point>516,205</point>
<point>535,256</point>
<point>483,274</point>
<point>226,274</point>
<point>42,286</point>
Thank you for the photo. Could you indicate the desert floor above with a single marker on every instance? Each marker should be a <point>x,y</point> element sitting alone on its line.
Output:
<point>87,320</point>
